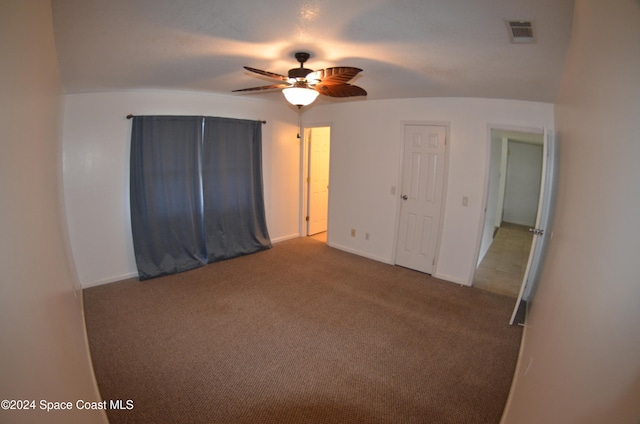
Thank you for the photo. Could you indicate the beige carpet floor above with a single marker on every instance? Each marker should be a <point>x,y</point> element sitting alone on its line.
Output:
<point>301,333</point>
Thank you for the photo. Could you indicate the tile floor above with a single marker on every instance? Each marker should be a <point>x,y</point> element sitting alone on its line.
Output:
<point>503,266</point>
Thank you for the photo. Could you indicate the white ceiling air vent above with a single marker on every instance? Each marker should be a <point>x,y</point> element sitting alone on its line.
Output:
<point>521,31</point>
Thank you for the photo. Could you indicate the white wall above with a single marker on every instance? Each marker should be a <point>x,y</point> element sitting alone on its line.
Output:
<point>43,348</point>
<point>96,169</point>
<point>493,196</point>
<point>580,362</point>
<point>366,139</point>
<point>522,191</point>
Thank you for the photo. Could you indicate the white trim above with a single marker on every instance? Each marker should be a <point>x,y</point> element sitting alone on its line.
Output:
<point>109,280</point>
<point>450,279</point>
<point>360,253</point>
<point>303,227</point>
<point>87,349</point>
<point>518,373</point>
<point>285,238</point>
<point>485,188</point>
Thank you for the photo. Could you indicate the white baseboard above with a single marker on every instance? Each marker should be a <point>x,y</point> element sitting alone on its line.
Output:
<point>451,279</point>
<point>444,277</point>
<point>284,238</point>
<point>86,285</point>
<point>281,239</point>
<point>360,253</point>
<point>520,372</point>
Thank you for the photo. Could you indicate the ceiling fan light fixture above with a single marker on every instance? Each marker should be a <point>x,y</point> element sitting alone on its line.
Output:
<point>301,86</point>
<point>299,96</point>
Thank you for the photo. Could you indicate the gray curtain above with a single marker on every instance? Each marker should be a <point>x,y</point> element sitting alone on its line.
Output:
<point>195,192</point>
<point>234,217</point>
<point>166,194</point>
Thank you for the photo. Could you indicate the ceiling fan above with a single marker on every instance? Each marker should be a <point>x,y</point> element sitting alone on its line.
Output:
<point>301,86</point>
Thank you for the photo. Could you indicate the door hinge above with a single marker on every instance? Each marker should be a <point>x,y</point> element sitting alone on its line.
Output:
<point>306,218</point>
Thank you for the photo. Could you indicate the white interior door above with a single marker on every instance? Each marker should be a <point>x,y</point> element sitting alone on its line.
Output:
<point>424,151</point>
<point>542,230</point>
<point>319,152</point>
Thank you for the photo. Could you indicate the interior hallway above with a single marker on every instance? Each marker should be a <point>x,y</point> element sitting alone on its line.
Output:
<point>503,266</point>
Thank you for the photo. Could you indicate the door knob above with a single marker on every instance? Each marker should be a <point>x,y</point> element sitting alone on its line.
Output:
<point>404,197</point>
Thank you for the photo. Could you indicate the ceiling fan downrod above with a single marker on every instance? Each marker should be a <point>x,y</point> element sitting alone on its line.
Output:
<point>300,72</point>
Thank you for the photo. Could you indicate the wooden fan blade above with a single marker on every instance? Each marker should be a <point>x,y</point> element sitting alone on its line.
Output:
<point>331,76</point>
<point>267,73</point>
<point>264,87</point>
<point>340,90</point>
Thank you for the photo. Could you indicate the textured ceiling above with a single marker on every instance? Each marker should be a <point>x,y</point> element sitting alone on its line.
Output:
<point>407,48</point>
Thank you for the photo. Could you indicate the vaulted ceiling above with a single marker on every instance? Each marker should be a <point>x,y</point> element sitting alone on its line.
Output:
<point>407,48</point>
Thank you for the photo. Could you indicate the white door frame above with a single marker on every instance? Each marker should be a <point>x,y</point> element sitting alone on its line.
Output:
<point>304,173</point>
<point>534,261</point>
<point>485,194</point>
<point>397,190</point>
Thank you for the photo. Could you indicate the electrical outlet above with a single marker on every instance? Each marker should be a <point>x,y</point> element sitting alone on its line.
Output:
<point>353,232</point>
<point>366,236</point>
<point>465,201</point>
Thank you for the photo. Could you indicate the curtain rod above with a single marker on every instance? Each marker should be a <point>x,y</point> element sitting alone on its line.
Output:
<point>131,116</point>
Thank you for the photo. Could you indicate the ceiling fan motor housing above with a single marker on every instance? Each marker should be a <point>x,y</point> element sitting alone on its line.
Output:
<point>299,72</point>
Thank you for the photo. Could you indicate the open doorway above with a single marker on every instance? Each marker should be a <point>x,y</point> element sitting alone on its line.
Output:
<point>317,160</point>
<point>513,193</point>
